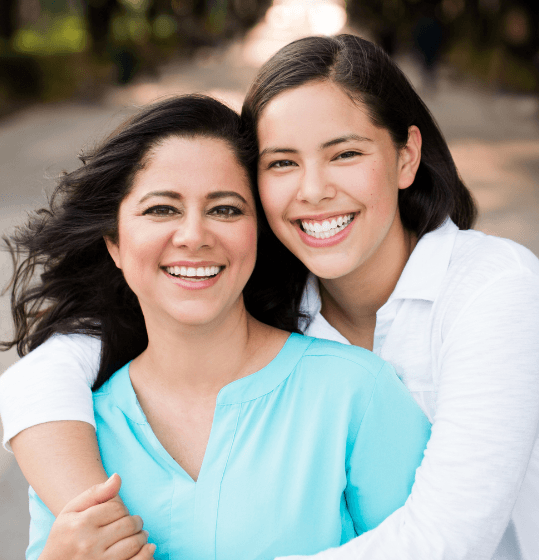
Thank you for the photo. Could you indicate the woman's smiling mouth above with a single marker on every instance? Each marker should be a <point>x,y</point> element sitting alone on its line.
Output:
<point>192,273</point>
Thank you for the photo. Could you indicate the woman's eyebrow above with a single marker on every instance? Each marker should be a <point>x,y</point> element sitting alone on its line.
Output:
<point>167,194</point>
<point>345,138</point>
<point>224,194</point>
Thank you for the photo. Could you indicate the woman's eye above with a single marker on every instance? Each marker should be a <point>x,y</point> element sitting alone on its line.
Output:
<point>280,164</point>
<point>160,210</point>
<point>226,211</point>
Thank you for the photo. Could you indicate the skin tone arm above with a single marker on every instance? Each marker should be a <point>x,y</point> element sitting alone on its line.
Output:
<point>96,526</point>
<point>60,460</point>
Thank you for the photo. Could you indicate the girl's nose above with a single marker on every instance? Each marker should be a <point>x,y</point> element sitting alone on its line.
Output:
<point>314,186</point>
<point>192,233</point>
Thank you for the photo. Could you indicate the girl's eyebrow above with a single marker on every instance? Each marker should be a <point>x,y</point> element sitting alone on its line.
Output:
<point>345,138</point>
<point>277,151</point>
<point>328,144</point>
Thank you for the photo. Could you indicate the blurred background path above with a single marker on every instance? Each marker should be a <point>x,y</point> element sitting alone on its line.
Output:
<point>493,135</point>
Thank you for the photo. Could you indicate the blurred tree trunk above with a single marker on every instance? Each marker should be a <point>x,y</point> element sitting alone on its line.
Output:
<point>8,18</point>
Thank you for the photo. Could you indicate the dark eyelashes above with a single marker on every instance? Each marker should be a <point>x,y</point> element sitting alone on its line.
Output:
<point>160,210</point>
<point>223,210</point>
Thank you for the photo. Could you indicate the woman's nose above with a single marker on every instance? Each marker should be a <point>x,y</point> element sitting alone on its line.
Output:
<point>314,186</point>
<point>192,233</point>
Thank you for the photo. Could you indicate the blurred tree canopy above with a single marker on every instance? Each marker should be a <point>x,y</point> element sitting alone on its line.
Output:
<point>497,40</point>
<point>53,49</point>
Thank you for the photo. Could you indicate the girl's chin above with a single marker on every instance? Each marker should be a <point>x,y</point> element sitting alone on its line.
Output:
<point>327,268</point>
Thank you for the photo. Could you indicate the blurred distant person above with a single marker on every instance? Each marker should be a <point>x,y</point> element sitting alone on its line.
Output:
<point>428,41</point>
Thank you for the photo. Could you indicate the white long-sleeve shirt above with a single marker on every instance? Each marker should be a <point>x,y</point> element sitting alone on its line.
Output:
<point>462,330</point>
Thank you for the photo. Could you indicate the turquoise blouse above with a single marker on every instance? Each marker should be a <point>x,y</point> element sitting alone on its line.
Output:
<point>317,447</point>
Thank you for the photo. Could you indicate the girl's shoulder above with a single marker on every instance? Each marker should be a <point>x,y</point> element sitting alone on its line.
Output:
<point>489,254</point>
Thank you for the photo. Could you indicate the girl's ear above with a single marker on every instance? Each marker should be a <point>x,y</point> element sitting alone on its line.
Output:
<point>114,250</point>
<point>410,158</point>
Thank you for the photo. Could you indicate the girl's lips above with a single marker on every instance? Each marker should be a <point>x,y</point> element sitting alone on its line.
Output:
<point>324,241</point>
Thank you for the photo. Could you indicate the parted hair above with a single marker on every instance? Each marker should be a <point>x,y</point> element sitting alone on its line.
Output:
<point>65,281</point>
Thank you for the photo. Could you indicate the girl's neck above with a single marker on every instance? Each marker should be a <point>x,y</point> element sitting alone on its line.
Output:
<point>350,303</point>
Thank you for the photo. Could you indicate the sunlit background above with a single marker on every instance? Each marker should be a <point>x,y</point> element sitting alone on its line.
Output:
<point>71,70</point>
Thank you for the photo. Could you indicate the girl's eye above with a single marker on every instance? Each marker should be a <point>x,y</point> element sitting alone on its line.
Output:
<point>281,163</point>
<point>226,211</point>
<point>347,155</point>
<point>160,210</point>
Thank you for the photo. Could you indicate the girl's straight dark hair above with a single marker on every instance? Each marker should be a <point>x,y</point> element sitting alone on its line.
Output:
<point>64,279</point>
<point>368,76</point>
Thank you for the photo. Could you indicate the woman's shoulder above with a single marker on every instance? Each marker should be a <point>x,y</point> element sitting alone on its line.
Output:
<point>341,361</point>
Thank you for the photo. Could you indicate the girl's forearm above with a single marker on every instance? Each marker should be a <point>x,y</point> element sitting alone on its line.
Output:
<point>59,460</point>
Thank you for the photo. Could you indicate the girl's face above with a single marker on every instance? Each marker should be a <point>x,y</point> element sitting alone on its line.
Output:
<point>329,178</point>
<point>187,233</point>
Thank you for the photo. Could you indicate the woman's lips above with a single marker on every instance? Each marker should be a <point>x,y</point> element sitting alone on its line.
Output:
<point>194,278</point>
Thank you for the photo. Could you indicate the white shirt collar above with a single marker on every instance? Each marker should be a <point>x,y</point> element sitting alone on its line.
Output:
<point>421,278</point>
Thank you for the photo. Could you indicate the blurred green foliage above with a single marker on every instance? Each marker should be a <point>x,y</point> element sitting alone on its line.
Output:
<point>53,34</point>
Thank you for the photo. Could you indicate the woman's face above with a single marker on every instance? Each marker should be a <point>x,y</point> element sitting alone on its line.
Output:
<point>329,178</point>
<point>188,233</point>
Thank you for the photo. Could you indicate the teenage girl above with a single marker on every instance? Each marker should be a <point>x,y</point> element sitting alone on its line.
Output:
<point>359,185</point>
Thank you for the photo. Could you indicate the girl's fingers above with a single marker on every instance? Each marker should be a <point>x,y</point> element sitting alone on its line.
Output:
<point>127,548</point>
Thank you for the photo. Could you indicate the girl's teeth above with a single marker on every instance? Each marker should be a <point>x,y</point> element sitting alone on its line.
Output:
<point>326,228</point>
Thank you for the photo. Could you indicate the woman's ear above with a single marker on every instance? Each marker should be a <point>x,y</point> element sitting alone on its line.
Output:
<point>410,158</point>
<point>114,250</point>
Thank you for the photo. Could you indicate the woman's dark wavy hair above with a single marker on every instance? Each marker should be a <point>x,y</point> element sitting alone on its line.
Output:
<point>64,280</point>
<point>368,75</point>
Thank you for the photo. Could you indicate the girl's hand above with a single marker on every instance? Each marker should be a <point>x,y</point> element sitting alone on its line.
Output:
<point>96,525</point>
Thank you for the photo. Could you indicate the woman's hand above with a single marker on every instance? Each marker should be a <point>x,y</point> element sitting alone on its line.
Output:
<point>96,525</point>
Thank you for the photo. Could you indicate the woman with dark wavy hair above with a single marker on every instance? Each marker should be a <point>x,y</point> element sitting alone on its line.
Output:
<point>358,183</point>
<point>213,419</point>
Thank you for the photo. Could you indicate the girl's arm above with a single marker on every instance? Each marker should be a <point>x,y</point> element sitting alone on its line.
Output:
<point>38,396</point>
<point>483,435</point>
<point>92,526</point>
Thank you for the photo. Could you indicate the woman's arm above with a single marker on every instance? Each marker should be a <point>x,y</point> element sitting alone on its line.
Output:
<point>483,434</point>
<point>38,394</point>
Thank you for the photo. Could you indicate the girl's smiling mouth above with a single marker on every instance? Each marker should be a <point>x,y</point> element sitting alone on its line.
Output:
<point>325,229</point>
<point>325,232</point>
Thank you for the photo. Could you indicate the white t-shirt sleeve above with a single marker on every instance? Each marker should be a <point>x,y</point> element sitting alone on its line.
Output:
<point>53,382</point>
<point>483,434</point>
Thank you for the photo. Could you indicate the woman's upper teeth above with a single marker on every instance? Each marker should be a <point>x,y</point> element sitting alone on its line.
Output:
<point>191,271</point>
<point>326,225</point>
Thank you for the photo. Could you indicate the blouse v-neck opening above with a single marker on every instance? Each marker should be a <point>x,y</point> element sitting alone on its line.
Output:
<point>231,396</point>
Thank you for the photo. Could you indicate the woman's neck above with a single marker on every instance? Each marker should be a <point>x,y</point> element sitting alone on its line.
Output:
<point>350,303</point>
<point>203,359</point>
